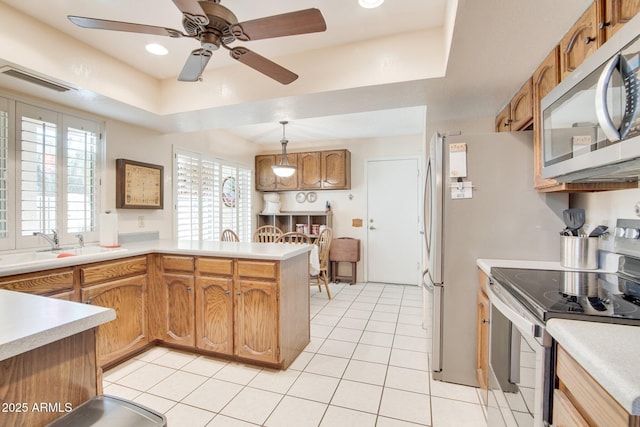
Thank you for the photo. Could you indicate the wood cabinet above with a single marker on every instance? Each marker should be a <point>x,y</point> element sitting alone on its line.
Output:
<point>518,113</point>
<point>503,119</point>
<point>266,180</point>
<point>256,319</point>
<point>582,39</point>
<point>121,285</point>
<point>617,13</point>
<point>178,299</point>
<point>317,170</point>
<point>482,328</point>
<point>578,399</point>
<point>214,305</point>
<point>57,282</point>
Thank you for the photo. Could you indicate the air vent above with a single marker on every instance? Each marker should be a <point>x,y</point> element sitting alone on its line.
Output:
<point>19,74</point>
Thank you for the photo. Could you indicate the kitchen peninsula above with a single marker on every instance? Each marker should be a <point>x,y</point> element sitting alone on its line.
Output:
<point>47,357</point>
<point>242,301</point>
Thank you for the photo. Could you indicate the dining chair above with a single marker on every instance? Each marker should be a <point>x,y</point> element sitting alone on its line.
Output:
<point>293,237</point>
<point>229,236</point>
<point>267,233</point>
<point>324,245</point>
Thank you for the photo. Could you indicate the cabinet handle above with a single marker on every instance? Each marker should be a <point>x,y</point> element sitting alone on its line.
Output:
<point>227,292</point>
<point>604,25</point>
<point>485,321</point>
<point>88,301</point>
<point>189,289</point>
<point>588,40</point>
<point>239,293</point>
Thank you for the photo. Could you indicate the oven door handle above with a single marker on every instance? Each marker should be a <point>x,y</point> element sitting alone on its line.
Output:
<point>524,325</point>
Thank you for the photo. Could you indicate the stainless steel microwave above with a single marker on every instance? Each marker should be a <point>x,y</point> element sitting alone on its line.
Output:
<point>591,120</point>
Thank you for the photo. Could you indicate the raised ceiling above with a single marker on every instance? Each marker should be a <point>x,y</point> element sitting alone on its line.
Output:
<point>371,67</point>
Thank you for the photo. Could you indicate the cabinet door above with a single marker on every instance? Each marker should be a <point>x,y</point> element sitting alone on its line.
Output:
<point>309,170</point>
<point>617,13</point>
<point>256,314</point>
<point>180,300</point>
<point>265,178</point>
<point>545,78</point>
<point>482,359</point>
<point>503,119</point>
<point>522,107</point>
<point>128,297</point>
<point>291,182</point>
<point>564,413</point>
<point>336,169</point>
<point>214,314</point>
<point>581,40</point>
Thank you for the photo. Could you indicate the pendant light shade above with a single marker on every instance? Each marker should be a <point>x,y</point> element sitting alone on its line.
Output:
<point>283,169</point>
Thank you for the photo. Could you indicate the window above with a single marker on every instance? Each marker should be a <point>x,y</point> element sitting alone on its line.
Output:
<point>211,195</point>
<point>55,178</point>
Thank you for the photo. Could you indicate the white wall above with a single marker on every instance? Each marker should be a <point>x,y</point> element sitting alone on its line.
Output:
<point>143,145</point>
<point>605,207</point>
<point>345,208</point>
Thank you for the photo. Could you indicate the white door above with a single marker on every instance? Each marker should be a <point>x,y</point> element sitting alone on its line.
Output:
<point>393,223</point>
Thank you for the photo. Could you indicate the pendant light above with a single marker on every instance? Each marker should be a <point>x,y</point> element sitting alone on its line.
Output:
<point>283,169</point>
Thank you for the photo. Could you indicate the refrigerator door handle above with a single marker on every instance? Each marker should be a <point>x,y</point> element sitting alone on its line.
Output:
<point>438,302</point>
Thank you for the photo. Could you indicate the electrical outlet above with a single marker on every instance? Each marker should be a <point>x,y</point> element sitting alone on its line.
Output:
<point>140,221</point>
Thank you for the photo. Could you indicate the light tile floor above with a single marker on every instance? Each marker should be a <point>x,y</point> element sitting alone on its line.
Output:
<point>366,365</point>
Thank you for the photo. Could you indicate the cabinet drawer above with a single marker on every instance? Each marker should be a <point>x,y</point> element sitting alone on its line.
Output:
<point>215,266</point>
<point>591,400</point>
<point>53,282</point>
<point>266,269</point>
<point>178,263</point>
<point>564,413</point>
<point>113,270</point>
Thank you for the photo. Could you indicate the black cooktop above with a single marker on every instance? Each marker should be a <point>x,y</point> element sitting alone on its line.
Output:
<point>598,297</point>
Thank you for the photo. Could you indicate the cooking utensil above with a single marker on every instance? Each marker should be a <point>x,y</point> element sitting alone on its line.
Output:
<point>574,219</point>
<point>598,231</point>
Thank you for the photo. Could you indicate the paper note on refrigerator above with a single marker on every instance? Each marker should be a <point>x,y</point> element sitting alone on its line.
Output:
<point>458,160</point>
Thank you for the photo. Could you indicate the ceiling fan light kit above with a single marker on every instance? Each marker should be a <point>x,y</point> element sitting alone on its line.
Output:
<point>283,169</point>
<point>215,26</point>
<point>370,4</point>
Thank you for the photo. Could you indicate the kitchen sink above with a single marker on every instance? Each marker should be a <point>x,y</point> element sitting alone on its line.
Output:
<point>26,257</point>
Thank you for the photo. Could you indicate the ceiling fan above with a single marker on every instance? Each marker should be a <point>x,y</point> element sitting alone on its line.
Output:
<point>216,26</point>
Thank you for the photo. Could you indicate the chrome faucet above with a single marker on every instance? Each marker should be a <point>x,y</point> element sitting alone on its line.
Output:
<point>53,241</point>
<point>80,238</point>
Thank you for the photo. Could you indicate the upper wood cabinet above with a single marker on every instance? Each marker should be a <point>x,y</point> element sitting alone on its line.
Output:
<point>266,180</point>
<point>582,39</point>
<point>518,114</point>
<point>503,119</point>
<point>317,170</point>
<point>309,170</point>
<point>617,13</point>
<point>336,169</point>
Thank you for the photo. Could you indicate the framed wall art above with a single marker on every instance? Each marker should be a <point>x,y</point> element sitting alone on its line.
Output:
<point>139,185</point>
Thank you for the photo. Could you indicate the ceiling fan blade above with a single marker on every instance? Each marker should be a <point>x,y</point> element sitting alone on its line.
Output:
<point>192,10</point>
<point>103,24</point>
<point>263,65</point>
<point>287,24</point>
<point>195,65</point>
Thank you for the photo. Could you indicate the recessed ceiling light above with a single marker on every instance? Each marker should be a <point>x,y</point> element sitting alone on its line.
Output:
<point>370,4</point>
<point>156,49</point>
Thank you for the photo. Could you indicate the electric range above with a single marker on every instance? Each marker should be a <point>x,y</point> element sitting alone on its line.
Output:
<point>579,295</point>
<point>583,295</point>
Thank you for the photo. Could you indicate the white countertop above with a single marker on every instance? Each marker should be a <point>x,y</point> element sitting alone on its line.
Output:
<point>607,260</point>
<point>30,321</point>
<point>610,353</point>
<point>266,251</point>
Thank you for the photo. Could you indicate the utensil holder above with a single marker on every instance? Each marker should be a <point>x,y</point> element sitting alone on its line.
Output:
<point>579,252</point>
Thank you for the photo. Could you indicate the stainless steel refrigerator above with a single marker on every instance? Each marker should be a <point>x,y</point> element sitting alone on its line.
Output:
<point>505,218</point>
